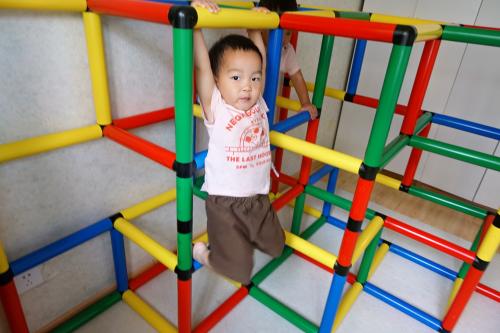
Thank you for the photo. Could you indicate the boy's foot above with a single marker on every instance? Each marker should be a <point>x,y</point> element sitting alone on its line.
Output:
<point>200,253</point>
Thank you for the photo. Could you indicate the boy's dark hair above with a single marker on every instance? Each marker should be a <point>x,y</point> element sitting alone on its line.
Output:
<point>279,6</point>
<point>229,42</point>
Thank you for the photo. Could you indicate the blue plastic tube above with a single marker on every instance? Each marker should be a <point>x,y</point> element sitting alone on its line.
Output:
<point>292,122</point>
<point>467,126</point>
<point>332,303</point>
<point>199,159</point>
<point>404,307</point>
<point>323,171</point>
<point>121,274</point>
<point>357,63</point>
<point>58,247</point>
<point>272,71</point>
<point>332,184</point>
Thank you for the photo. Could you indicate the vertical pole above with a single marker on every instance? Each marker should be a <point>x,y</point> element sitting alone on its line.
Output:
<point>330,187</point>
<point>272,71</point>
<point>357,63</point>
<point>10,298</point>
<point>391,88</point>
<point>121,274</point>
<point>183,19</point>
<point>97,65</point>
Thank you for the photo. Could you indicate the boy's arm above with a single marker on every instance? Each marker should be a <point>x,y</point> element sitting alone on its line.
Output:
<point>205,82</point>
<point>301,89</point>
<point>256,37</point>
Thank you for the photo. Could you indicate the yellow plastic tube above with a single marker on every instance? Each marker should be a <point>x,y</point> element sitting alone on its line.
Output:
<point>242,4</point>
<point>366,237</point>
<point>388,181</point>
<point>489,245</point>
<point>316,152</point>
<point>63,5</point>
<point>157,321</point>
<point>148,205</point>
<point>310,250</point>
<point>307,209</point>
<point>43,143</point>
<point>4,263</point>
<point>377,259</point>
<point>97,64</point>
<point>345,305</point>
<point>320,13</point>
<point>456,287</point>
<point>382,18</point>
<point>133,233</point>
<point>197,111</point>
<point>287,103</point>
<point>428,32</point>
<point>201,238</point>
<point>330,92</point>
<point>228,18</point>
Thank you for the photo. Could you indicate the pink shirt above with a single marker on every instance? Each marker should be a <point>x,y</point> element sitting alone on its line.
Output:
<point>239,156</point>
<point>289,63</point>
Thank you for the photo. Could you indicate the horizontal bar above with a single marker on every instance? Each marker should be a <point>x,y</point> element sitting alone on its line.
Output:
<point>423,121</point>
<point>350,28</point>
<point>448,202</point>
<point>429,239</point>
<point>149,314</point>
<point>323,171</point>
<point>403,306</point>
<point>393,148</point>
<point>366,236</point>
<point>151,246</point>
<point>149,205</point>
<point>66,5</point>
<point>199,159</point>
<point>309,249</point>
<point>88,313</point>
<point>282,310</point>
<point>144,119</point>
<point>60,246</point>
<point>329,91</point>
<point>373,103</point>
<point>375,17</point>
<point>422,261</point>
<point>292,122</point>
<point>352,15</point>
<point>288,104</point>
<point>467,126</point>
<point>471,35</point>
<point>456,152</point>
<point>287,197</point>
<point>141,146</point>
<point>228,18</point>
<point>150,11</point>
<point>44,143</point>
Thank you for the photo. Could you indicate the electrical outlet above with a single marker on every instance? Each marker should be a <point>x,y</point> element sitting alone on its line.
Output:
<point>29,279</point>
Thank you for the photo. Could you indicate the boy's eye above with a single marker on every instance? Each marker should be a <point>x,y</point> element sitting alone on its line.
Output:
<point>255,79</point>
<point>235,77</point>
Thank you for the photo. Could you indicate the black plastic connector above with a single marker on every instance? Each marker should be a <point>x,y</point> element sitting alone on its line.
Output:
<point>348,97</point>
<point>184,17</point>
<point>249,286</point>
<point>442,330</point>
<point>496,221</point>
<point>184,275</point>
<point>383,216</point>
<point>341,270</point>
<point>286,81</point>
<point>185,227</point>
<point>387,242</point>
<point>115,217</point>
<point>367,172</point>
<point>404,188</point>
<point>6,277</point>
<point>353,225</point>
<point>319,113</point>
<point>480,264</point>
<point>404,35</point>
<point>184,170</point>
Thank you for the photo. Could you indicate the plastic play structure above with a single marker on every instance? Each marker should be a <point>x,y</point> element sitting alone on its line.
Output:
<point>365,245</point>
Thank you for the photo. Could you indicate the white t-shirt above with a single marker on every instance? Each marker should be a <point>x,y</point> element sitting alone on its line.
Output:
<point>289,63</point>
<point>239,156</point>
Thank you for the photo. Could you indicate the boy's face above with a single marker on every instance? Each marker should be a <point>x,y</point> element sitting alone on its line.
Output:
<point>240,78</point>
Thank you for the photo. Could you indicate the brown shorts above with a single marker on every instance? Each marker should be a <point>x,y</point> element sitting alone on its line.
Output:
<point>236,226</point>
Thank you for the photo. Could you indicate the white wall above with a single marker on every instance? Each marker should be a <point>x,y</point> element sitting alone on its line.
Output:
<point>463,84</point>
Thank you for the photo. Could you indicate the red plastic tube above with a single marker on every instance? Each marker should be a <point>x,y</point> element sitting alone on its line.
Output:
<point>287,197</point>
<point>422,79</point>
<point>209,322</point>
<point>429,239</point>
<point>351,28</point>
<point>285,179</point>
<point>135,9</point>
<point>373,103</point>
<point>411,167</point>
<point>146,276</point>
<point>184,305</point>
<point>12,307</point>
<point>144,119</point>
<point>351,278</point>
<point>305,168</point>
<point>488,292</point>
<point>462,298</point>
<point>141,146</point>
<point>361,198</point>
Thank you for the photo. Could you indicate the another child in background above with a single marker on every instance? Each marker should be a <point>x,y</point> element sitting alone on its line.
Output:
<point>289,63</point>
<point>230,81</point>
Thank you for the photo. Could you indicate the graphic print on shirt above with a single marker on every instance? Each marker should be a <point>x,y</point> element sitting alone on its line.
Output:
<point>254,138</point>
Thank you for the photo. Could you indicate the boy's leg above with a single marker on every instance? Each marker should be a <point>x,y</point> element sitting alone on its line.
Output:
<point>268,235</point>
